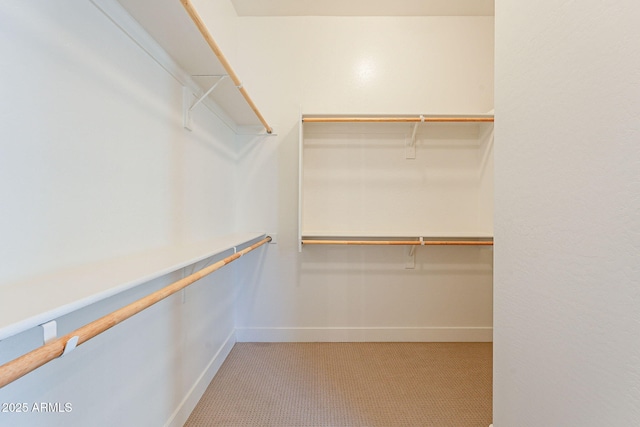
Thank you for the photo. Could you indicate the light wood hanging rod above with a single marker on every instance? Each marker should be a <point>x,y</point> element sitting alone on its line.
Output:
<point>400,242</point>
<point>223,60</point>
<point>418,119</point>
<point>26,363</point>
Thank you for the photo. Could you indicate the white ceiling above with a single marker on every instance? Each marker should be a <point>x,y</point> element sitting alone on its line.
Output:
<point>364,7</point>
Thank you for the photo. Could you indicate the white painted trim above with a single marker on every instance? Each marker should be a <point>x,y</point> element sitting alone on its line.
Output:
<point>381,334</point>
<point>186,406</point>
<point>300,178</point>
<point>125,22</point>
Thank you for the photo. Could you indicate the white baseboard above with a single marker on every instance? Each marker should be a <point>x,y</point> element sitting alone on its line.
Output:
<point>180,415</point>
<point>419,334</point>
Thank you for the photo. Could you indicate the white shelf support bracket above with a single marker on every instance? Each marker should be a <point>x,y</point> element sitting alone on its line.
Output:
<point>70,345</point>
<point>187,106</point>
<point>410,146</point>
<point>49,331</point>
<point>410,257</point>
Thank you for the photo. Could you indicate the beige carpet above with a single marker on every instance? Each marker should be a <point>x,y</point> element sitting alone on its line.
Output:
<point>350,384</point>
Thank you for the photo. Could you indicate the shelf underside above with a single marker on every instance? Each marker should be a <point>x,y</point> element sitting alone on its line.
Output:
<point>170,26</point>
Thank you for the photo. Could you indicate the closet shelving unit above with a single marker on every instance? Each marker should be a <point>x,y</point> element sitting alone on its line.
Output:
<point>38,300</point>
<point>178,28</point>
<point>402,180</point>
<point>197,62</point>
<point>134,271</point>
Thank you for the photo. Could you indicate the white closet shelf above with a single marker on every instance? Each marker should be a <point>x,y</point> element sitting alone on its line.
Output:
<point>29,303</point>
<point>399,239</point>
<point>396,118</point>
<point>328,139</point>
<point>189,43</point>
<point>397,235</point>
<point>430,239</point>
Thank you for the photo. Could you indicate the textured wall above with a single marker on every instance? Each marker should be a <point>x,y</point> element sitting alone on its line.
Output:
<point>567,214</point>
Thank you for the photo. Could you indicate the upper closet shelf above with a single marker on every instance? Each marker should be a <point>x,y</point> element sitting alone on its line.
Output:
<point>415,118</point>
<point>179,30</point>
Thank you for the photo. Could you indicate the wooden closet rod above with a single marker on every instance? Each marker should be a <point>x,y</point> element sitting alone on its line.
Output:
<point>223,60</point>
<point>400,242</point>
<point>394,119</point>
<point>26,363</point>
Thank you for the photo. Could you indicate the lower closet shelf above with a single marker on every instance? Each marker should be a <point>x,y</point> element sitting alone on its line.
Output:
<point>32,302</point>
<point>403,239</point>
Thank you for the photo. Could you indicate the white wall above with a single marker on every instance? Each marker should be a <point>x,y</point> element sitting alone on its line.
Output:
<point>95,165</point>
<point>358,181</point>
<point>357,65</point>
<point>567,214</point>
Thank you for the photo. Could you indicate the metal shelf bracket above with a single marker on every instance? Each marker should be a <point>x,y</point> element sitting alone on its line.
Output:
<point>188,106</point>
<point>49,331</point>
<point>410,257</point>
<point>410,145</point>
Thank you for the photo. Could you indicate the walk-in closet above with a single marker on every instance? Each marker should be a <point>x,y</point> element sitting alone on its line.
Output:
<point>331,213</point>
